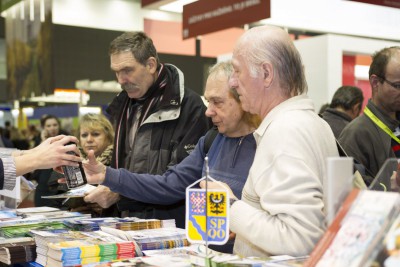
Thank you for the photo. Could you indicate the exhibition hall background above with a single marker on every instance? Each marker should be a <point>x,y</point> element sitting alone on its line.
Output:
<point>66,41</point>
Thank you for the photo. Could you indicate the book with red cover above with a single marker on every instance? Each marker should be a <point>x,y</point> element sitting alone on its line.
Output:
<point>356,235</point>
<point>332,230</point>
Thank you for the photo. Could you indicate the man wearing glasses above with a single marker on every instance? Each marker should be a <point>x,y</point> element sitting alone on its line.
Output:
<point>374,137</point>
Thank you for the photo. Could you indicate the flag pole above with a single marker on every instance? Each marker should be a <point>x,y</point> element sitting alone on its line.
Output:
<point>207,176</point>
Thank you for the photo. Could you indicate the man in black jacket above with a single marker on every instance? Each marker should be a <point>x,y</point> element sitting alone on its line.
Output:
<point>157,121</point>
<point>345,106</point>
<point>373,137</point>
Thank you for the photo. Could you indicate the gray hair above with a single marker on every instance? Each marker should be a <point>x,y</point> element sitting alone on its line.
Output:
<point>259,45</point>
<point>138,43</point>
<point>225,68</point>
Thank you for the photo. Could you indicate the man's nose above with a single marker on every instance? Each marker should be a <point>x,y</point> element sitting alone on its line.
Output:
<point>210,110</point>
<point>233,81</point>
<point>121,77</point>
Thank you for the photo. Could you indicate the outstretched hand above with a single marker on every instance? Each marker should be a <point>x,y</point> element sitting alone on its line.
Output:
<point>53,152</point>
<point>102,196</point>
<point>95,171</point>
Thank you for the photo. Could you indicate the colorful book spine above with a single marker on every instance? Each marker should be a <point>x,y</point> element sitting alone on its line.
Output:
<point>88,261</point>
<point>166,244</point>
<point>77,249</point>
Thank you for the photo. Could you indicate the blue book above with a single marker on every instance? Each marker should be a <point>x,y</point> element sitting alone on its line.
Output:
<point>34,264</point>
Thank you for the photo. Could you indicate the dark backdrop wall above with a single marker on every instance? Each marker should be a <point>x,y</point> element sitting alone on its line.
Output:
<point>82,53</point>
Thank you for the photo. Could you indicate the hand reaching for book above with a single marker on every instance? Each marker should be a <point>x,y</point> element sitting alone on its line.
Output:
<point>103,196</point>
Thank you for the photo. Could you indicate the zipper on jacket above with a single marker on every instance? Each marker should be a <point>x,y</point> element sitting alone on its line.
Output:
<point>237,151</point>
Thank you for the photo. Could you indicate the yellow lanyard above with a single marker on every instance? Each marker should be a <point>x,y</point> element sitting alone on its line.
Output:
<point>380,124</point>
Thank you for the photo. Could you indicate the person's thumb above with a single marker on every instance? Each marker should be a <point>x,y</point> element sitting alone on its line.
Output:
<point>91,157</point>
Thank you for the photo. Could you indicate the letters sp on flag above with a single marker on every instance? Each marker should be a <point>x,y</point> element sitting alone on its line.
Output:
<point>207,216</point>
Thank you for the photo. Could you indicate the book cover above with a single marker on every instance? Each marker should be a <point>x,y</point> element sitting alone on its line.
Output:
<point>162,238</point>
<point>8,214</point>
<point>332,230</point>
<point>23,230</point>
<point>34,264</point>
<point>74,193</point>
<point>355,237</point>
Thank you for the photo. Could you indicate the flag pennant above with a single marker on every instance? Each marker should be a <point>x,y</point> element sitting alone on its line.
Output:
<point>207,216</point>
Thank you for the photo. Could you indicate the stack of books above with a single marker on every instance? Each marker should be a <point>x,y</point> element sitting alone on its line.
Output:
<point>9,214</point>
<point>94,248</point>
<point>17,250</point>
<point>89,224</point>
<point>151,239</point>
<point>49,213</point>
<point>125,224</point>
<point>162,238</point>
<point>23,228</point>
<point>128,224</point>
<point>44,237</point>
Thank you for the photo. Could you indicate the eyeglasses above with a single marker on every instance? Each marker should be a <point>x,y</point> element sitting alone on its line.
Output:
<point>394,85</point>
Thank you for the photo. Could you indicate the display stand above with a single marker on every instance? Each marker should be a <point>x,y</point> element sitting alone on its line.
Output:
<point>338,184</point>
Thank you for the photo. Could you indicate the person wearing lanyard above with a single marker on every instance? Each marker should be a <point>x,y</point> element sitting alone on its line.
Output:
<point>374,137</point>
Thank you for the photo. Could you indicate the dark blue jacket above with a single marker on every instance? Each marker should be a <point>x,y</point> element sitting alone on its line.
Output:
<point>229,161</point>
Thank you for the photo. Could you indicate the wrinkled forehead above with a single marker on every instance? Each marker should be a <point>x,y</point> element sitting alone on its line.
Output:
<point>216,86</point>
<point>122,60</point>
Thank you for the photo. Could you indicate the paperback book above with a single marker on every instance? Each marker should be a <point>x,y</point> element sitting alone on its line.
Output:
<point>356,235</point>
<point>18,252</point>
<point>96,244</point>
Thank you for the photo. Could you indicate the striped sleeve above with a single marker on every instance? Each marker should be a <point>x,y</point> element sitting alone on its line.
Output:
<point>8,173</point>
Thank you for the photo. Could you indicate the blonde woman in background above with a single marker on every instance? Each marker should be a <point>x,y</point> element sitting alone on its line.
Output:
<point>95,133</point>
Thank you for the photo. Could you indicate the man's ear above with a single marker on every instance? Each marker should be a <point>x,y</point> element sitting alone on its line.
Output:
<point>268,73</point>
<point>374,80</point>
<point>151,64</point>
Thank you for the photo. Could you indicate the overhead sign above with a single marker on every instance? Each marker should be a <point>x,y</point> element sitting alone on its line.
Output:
<point>207,16</point>
<point>388,3</point>
<point>150,2</point>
